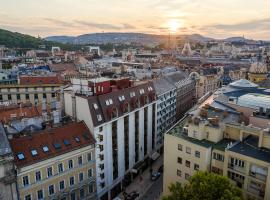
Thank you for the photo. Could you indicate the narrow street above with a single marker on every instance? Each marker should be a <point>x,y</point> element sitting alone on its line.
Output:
<point>155,191</point>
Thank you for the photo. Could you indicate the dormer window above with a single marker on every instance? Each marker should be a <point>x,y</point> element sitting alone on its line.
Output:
<point>150,88</point>
<point>121,98</point>
<point>109,102</point>
<point>141,91</point>
<point>99,118</point>
<point>95,106</point>
<point>34,152</point>
<point>132,94</point>
<point>20,156</point>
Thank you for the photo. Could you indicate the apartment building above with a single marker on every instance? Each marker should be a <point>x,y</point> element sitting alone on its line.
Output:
<point>214,138</point>
<point>31,89</point>
<point>56,163</point>
<point>121,116</point>
<point>165,107</point>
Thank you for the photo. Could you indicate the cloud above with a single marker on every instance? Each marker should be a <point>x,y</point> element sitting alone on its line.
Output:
<point>104,26</point>
<point>59,22</point>
<point>252,25</point>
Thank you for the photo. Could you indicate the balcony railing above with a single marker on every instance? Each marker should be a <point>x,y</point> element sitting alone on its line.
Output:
<point>258,176</point>
<point>256,190</point>
<point>236,168</point>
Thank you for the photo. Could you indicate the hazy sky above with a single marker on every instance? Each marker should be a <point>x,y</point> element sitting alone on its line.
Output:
<point>214,18</point>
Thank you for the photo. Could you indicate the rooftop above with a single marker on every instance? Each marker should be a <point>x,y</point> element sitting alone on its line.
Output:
<point>39,80</point>
<point>50,143</point>
<point>249,147</point>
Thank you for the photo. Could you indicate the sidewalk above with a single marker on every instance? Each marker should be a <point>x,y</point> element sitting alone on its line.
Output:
<point>142,186</point>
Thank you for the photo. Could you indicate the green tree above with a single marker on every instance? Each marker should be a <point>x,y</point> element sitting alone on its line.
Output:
<point>205,186</point>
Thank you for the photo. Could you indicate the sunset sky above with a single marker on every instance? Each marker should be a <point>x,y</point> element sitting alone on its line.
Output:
<point>213,18</point>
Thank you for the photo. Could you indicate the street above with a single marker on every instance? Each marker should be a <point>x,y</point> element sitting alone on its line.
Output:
<point>155,191</point>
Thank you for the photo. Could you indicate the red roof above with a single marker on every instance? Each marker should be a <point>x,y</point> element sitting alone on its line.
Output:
<point>18,111</point>
<point>75,134</point>
<point>39,80</point>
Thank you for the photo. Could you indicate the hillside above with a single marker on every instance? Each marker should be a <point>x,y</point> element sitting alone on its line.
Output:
<point>23,41</point>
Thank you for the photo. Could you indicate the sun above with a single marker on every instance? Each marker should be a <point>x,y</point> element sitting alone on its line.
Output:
<point>174,25</point>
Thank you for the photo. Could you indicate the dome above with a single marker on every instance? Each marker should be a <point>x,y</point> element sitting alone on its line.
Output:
<point>258,68</point>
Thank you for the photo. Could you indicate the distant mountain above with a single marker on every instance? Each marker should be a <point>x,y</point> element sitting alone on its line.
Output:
<point>142,38</point>
<point>235,39</point>
<point>103,38</point>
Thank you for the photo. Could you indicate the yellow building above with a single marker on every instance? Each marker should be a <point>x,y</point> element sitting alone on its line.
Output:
<point>211,139</point>
<point>31,89</point>
<point>57,163</point>
<point>258,72</point>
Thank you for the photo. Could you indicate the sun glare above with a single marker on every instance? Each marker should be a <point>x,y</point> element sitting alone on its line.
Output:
<point>173,25</point>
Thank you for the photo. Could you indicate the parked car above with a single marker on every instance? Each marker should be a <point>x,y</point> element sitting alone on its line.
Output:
<point>155,176</point>
<point>132,196</point>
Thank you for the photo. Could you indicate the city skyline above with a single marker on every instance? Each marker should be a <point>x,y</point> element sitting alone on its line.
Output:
<point>218,19</point>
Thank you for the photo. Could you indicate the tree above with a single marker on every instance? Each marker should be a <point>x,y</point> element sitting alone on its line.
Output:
<point>205,186</point>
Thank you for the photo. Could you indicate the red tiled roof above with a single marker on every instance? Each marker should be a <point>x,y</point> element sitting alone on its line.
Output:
<point>16,111</point>
<point>48,138</point>
<point>39,80</point>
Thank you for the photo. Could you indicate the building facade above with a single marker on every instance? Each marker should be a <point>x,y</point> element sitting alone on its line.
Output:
<point>57,163</point>
<point>122,119</point>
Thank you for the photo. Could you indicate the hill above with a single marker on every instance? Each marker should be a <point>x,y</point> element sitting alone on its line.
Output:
<point>23,41</point>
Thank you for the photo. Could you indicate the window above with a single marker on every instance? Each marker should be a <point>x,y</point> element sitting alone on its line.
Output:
<point>196,167</point>
<point>187,176</point>
<point>90,173</point>
<point>237,162</point>
<point>82,193</point>
<point>20,156</point>
<point>187,163</point>
<point>34,152</point>
<point>100,128</point>
<point>40,194</point>
<point>45,149</point>
<point>73,196</point>
<point>51,189</point>
<point>80,160</point>
<point>38,176</point>
<point>66,142</point>
<point>44,96</point>
<point>27,197</point>
<point>18,96</point>
<point>49,172</point>
<point>53,95</point>
<point>60,168</point>
<point>81,177</point>
<point>197,154</point>
<point>70,164</point>
<point>71,181</point>
<point>57,145</point>
<point>36,96</point>
<point>27,96</point>
<point>77,139</point>
<point>62,185</point>
<point>218,157</point>
<point>179,173</point>
<point>179,160</point>
<point>25,181</point>
<point>89,157</point>
<point>188,150</point>
<point>90,188</point>
<point>180,147</point>
<point>9,98</point>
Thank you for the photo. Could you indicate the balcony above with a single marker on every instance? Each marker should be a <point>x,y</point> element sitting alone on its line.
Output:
<point>237,168</point>
<point>255,190</point>
<point>258,176</point>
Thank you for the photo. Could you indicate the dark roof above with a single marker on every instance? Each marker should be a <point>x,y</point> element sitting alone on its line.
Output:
<point>162,86</point>
<point>54,140</point>
<point>103,109</point>
<point>249,147</point>
<point>175,77</point>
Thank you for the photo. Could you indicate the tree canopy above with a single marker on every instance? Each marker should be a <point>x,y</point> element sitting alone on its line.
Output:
<point>205,186</point>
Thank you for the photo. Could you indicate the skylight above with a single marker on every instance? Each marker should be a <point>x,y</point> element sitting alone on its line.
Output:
<point>66,142</point>
<point>86,136</point>
<point>45,148</point>
<point>57,145</point>
<point>20,156</point>
<point>95,106</point>
<point>99,118</point>
<point>77,139</point>
<point>34,152</point>
<point>132,94</point>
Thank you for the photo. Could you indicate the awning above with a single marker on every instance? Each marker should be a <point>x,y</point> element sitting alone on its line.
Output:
<point>155,156</point>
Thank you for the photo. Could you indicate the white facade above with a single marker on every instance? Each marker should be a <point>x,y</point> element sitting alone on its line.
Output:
<point>104,140</point>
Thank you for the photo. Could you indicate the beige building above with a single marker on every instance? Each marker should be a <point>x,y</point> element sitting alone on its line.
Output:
<point>212,138</point>
<point>31,89</point>
<point>57,163</point>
